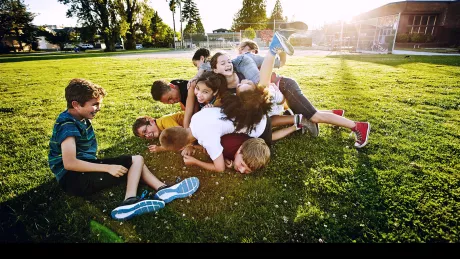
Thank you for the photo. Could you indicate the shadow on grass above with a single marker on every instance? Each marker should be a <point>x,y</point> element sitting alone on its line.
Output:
<point>397,60</point>
<point>70,55</point>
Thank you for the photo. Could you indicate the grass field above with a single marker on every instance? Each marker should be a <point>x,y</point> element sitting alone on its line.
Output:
<point>404,186</point>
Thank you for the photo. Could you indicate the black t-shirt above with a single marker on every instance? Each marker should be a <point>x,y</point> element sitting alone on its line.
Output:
<point>182,89</point>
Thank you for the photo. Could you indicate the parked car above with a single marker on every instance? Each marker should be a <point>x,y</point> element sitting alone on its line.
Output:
<point>118,46</point>
<point>139,46</point>
<point>85,46</point>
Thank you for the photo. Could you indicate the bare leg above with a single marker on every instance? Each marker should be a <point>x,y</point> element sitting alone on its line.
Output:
<point>150,179</point>
<point>279,134</point>
<point>330,118</point>
<point>280,120</point>
<point>134,175</point>
<point>266,69</point>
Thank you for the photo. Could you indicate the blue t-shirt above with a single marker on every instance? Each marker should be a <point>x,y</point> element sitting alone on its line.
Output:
<point>85,139</point>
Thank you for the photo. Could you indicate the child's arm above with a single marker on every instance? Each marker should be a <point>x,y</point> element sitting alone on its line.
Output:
<point>71,163</point>
<point>218,165</point>
<point>155,148</point>
<point>191,106</point>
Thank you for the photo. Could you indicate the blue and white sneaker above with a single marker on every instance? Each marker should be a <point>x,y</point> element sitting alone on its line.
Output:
<point>181,190</point>
<point>135,206</point>
<point>279,44</point>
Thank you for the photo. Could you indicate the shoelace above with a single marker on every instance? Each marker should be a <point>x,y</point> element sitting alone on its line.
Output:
<point>358,137</point>
<point>144,193</point>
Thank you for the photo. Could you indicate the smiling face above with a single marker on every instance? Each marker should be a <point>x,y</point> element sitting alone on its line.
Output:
<point>224,65</point>
<point>245,85</point>
<point>149,131</point>
<point>172,96</point>
<point>89,109</point>
<point>239,165</point>
<point>203,93</point>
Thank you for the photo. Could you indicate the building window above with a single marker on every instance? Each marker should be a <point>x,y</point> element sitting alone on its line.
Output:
<point>423,24</point>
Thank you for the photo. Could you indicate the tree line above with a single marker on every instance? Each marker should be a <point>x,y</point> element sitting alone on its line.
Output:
<point>132,21</point>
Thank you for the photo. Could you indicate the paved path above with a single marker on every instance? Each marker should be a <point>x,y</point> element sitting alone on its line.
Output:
<point>298,52</point>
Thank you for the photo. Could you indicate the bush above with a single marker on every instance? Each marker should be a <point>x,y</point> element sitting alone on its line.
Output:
<point>418,38</point>
<point>402,37</point>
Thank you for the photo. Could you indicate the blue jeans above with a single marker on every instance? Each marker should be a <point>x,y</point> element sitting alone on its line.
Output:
<point>248,67</point>
<point>295,99</point>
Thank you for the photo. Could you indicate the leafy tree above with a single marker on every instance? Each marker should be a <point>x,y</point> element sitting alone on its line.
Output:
<point>277,16</point>
<point>59,37</point>
<point>135,15</point>
<point>249,33</point>
<point>199,26</point>
<point>16,21</point>
<point>253,14</point>
<point>102,14</point>
<point>191,15</point>
<point>160,31</point>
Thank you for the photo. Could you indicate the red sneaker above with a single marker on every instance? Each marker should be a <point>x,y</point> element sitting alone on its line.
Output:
<point>339,112</point>
<point>362,133</point>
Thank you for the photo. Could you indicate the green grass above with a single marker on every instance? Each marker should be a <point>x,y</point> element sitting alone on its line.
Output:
<point>402,187</point>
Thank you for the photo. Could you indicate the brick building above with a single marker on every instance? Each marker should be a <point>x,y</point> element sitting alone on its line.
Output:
<point>426,23</point>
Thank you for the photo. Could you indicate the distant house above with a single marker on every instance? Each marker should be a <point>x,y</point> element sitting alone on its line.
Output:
<point>221,31</point>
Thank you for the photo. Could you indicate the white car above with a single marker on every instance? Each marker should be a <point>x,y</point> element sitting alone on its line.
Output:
<point>139,46</point>
<point>86,46</point>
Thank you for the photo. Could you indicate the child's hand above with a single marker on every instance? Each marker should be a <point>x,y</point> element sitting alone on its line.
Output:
<point>189,160</point>
<point>155,148</point>
<point>228,163</point>
<point>188,151</point>
<point>117,170</point>
<point>191,83</point>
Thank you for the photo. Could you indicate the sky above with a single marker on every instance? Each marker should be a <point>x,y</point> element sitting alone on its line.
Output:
<point>313,12</point>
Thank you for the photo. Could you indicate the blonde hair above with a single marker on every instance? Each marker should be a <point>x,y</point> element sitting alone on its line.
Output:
<point>251,44</point>
<point>174,138</point>
<point>255,153</point>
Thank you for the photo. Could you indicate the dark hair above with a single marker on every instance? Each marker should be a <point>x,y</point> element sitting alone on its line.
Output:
<point>214,59</point>
<point>202,52</point>
<point>159,88</point>
<point>82,90</point>
<point>140,121</point>
<point>247,108</point>
<point>216,82</point>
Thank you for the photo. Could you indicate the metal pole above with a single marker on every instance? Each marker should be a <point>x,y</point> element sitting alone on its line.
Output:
<point>396,33</point>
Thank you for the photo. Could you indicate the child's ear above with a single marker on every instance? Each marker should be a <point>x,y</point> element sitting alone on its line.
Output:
<point>75,104</point>
<point>202,58</point>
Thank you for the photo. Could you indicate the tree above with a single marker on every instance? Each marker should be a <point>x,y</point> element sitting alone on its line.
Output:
<point>16,21</point>
<point>253,14</point>
<point>249,33</point>
<point>277,16</point>
<point>161,32</point>
<point>172,8</point>
<point>191,15</point>
<point>102,14</point>
<point>133,14</point>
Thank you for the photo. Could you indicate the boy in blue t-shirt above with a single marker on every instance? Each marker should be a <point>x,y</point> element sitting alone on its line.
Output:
<point>72,158</point>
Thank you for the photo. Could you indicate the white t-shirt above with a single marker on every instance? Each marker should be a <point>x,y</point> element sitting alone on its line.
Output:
<point>276,98</point>
<point>207,127</point>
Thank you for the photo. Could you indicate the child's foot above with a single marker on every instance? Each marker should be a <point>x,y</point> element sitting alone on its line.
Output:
<point>339,112</point>
<point>135,206</point>
<point>181,190</point>
<point>305,124</point>
<point>287,29</point>
<point>361,131</point>
<point>280,44</point>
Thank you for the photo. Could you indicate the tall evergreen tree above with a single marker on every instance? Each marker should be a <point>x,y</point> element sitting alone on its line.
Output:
<point>276,16</point>
<point>191,15</point>
<point>253,14</point>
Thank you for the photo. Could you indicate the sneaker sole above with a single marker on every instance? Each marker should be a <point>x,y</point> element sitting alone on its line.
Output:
<point>285,45</point>
<point>181,190</point>
<point>142,207</point>
<point>367,139</point>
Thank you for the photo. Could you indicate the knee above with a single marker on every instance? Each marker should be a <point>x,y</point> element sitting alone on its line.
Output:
<point>138,159</point>
<point>317,117</point>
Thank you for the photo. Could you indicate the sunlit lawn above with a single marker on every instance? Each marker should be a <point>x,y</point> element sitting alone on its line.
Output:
<point>402,187</point>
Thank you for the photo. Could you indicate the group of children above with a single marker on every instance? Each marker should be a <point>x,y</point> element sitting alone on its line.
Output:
<point>226,113</point>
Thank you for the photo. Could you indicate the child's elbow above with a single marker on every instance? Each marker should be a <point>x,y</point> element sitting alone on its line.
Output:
<point>220,168</point>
